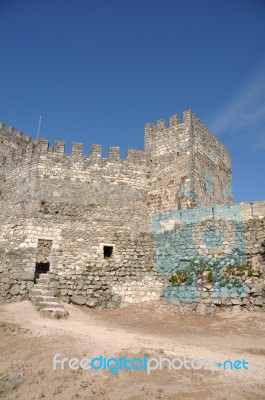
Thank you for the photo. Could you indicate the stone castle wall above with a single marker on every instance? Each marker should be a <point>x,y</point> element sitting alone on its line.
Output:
<point>213,256</point>
<point>65,208</point>
<point>81,204</point>
<point>189,166</point>
<point>212,167</point>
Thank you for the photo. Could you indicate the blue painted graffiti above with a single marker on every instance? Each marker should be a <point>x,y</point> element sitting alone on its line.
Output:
<point>212,241</point>
<point>208,182</point>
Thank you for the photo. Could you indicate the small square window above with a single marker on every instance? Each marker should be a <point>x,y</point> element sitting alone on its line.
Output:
<point>108,250</point>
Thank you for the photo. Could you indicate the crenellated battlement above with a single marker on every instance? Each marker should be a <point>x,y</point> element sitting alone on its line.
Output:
<point>12,134</point>
<point>17,146</point>
<point>175,153</point>
<point>90,220</point>
<point>14,145</point>
<point>42,147</point>
<point>174,122</point>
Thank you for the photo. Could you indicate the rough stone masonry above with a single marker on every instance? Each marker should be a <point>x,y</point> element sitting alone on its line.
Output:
<point>108,231</point>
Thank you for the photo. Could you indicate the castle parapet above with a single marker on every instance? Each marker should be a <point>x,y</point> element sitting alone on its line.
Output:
<point>155,135</point>
<point>42,146</point>
<point>77,149</point>
<point>188,117</point>
<point>95,151</point>
<point>14,145</point>
<point>11,130</point>
<point>59,146</point>
<point>174,120</point>
<point>136,156</point>
<point>17,146</point>
<point>161,124</point>
<point>114,153</point>
<point>150,128</point>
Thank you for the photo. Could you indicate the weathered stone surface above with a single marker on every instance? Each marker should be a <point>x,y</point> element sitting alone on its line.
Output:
<point>236,301</point>
<point>28,276</point>
<point>92,303</point>
<point>217,302</point>
<point>79,300</point>
<point>226,302</point>
<point>258,301</point>
<point>257,350</point>
<point>112,304</point>
<point>257,289</point>
<point>15,380</point>
<point>201,309</point>
<point>15,290</point>
<point>237,308</point>
<point>210,310</point>
<point>16,299</point>
<point>90,218</point>
<point>190,306</point>
<point>65,299</point>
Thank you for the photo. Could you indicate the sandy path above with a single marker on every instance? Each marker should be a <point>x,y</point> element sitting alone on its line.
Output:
<point>110,332</point>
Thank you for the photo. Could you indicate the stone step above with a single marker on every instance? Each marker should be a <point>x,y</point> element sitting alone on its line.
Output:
<point>54,312</point>
<point>44,275</point>
<point>42,295</point>
<point>54,304</point>
<point>43,280</point>
<point>39,292</point>
<point>46,299</point>
<point>41,286</point>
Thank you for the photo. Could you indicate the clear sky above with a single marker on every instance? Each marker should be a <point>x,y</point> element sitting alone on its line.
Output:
<point>99,70</point>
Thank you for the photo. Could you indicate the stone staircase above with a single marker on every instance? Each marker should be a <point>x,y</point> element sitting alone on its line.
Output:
<point>42,295</point>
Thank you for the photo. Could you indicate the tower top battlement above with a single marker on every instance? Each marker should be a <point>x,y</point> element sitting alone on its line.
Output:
<point>174,121</point>
<point>177,155</point>
<point>17,145</point>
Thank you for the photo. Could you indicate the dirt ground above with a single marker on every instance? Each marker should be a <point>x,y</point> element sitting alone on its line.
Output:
<point>29,341</point>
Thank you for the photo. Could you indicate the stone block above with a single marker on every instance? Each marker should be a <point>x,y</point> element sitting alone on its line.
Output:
<point>113,304</point>
<point>92,303</point>
<point>236,301</point>
<point>79,300</point>
<point>217,302</point>
<point>15,290</point>
<point>16,299</point>
<point>15,380</point>
<point>190,306</point>
<point>210,310</point>
<point>237,308</point>
<point>258,301</point>
<point>201,309</point>
<point>256,289</point>
<point>28,276</point>
<point>226,302</point>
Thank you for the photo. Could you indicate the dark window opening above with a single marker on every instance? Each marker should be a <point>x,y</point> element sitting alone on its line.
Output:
<point>108,250</point>
<point>41,268</point>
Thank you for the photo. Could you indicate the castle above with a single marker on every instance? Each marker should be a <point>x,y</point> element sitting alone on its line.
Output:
<point>107,231</point>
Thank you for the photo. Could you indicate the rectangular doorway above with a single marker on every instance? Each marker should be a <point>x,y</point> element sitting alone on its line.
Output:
<point>41,268</point>
<point>43,257</point>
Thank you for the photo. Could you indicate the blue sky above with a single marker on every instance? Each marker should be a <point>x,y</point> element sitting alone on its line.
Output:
<point>97,71</point>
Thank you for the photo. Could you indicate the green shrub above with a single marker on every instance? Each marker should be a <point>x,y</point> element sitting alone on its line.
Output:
<point>178,277</point>
<point>210,276</point>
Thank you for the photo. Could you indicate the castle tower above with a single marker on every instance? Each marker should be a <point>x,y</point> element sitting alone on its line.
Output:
<point>189,166</point>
